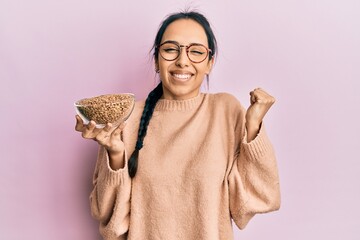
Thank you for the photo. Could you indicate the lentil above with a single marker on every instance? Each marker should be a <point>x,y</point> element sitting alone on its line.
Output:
<point>109,108</point>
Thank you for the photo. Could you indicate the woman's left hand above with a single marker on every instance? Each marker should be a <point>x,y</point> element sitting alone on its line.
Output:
<point>260,103</point>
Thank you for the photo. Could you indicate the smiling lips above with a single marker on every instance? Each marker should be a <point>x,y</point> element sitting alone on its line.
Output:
<point>181,76</point>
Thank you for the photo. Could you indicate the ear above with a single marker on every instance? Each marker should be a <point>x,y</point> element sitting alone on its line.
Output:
<point>210,65</point>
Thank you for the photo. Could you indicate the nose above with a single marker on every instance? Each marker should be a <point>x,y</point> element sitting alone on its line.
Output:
<point>182,60</point>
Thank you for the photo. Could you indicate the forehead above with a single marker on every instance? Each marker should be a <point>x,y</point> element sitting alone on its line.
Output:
<point>185,31</point>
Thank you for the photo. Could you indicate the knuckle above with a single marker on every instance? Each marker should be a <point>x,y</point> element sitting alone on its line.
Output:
<point>107,128</point>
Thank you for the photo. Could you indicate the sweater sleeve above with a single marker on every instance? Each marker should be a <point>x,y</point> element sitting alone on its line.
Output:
<point>110,198</point>
<point>253,179</point>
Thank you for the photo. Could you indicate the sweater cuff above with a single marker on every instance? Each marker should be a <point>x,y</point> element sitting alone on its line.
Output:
<point>258,147</point>
<point>114,177</point>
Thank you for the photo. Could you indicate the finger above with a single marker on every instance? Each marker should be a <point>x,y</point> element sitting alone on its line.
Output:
<point>79,124</point>
<point>252,97</point>
<point>107,127</point>
<point>89,130</point>
<point>114,139</point>
<point>91,126</point>
<point>104,133</point>
<point>261,91</point>
<point>122,126</point>
<point>263,97</point>
<point>116,133</point>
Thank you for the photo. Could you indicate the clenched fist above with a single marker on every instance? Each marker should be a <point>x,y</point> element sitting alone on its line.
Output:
<point>260,103</point>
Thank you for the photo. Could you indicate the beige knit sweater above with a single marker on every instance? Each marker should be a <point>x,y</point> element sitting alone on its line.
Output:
<point>196,172</point>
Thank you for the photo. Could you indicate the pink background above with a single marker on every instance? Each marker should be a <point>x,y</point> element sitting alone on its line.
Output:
<point>306,53</point>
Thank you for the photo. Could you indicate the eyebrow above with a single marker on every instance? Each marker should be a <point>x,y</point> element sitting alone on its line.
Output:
<point>176,42</point>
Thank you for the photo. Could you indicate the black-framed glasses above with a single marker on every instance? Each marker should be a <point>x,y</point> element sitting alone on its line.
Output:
<point>196,52</point>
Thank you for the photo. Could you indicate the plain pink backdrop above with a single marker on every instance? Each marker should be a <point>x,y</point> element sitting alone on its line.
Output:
<point>305,53</point>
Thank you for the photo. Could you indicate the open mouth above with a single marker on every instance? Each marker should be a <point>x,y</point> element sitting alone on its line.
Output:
<point>181,76</point>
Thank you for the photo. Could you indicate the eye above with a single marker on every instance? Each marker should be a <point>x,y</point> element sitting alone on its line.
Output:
<point>197,52</point>
<point>171,50</point>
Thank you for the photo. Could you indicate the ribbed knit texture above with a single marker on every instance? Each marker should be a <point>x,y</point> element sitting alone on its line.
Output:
<point>196,172</point>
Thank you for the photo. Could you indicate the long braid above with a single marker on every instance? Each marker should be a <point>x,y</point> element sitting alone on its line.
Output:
<point>147,113</point>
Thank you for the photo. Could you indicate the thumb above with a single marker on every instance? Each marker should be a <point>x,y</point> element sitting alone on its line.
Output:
<point>119,129</point>
<point>252,98</point>
<point>121,126</point>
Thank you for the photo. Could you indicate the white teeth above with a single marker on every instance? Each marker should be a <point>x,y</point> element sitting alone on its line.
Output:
<point>182,76</point>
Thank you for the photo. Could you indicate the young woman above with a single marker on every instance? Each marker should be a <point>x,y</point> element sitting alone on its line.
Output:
<point>187,162</point>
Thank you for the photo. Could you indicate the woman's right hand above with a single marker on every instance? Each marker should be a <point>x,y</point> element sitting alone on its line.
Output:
<point>109,137</point>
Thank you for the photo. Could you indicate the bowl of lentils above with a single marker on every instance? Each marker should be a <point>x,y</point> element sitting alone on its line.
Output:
<point>108,108</point>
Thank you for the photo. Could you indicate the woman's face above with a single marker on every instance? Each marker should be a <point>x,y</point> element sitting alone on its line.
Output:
<point>182,78</point>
